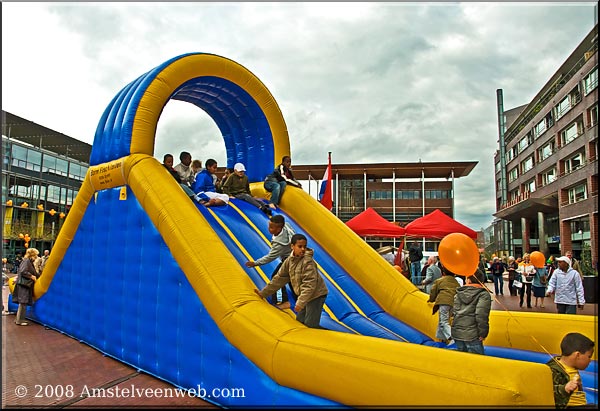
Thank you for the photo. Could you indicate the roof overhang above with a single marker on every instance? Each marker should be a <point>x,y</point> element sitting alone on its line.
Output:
<point>529,209</point>
<point>26,131</point>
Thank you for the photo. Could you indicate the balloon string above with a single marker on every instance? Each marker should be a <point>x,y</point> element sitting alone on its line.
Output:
<point>519,323</point>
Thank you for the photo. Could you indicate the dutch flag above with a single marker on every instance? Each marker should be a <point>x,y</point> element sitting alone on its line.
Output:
<point>326,192</point>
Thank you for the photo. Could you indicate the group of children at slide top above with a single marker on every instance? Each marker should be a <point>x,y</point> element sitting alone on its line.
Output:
<point>298,268</point>
<point>204,186</point>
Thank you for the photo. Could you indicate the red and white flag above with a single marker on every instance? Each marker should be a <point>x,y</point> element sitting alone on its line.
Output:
<point>326,192</point>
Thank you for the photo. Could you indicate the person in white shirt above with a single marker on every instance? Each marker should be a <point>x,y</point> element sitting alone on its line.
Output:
<point>186,174</point>
<point>567,287</point>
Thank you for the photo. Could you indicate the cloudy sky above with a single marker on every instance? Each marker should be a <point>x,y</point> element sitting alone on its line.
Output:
<point>370,82</point>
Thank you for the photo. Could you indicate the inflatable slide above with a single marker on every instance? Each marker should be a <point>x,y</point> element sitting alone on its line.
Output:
<point>147,276</point>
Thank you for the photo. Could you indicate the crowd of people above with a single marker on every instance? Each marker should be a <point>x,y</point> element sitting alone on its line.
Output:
<point>560,278</point>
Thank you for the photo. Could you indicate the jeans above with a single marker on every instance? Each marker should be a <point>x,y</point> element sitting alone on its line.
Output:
<point>443,330</point>
<point>276,189</point>
<point>311,314</point>
<point>498,284</point>
<point>415,270</point>
<point>475,346</point>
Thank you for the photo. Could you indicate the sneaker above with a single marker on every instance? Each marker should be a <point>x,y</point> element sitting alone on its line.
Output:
<point>23,323</point>
<point>450,341</point>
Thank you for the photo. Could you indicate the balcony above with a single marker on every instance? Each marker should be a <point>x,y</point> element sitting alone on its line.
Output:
<point>521,197</point>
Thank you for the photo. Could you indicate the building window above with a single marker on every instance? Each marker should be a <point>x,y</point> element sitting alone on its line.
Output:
<point>530,186</point>
<point>562,107</point>
<point>574,163</point>
<point>546,150</point>
<point>590,81</point>
<point>527,164</point>
<point>513,174</point>
<point>549,176</point>
<point>577,193</point>
<point>569,134</point>
<point>19,156</point>
<point>498,167</point>
<point>62,167</point>
<point>523,143</point>
<point>511,153</point>
<point>540,128</point>
<point>592,116</point>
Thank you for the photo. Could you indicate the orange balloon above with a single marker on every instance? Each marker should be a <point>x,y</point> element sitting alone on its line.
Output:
<point>537,259</point>
<point>459,254</point>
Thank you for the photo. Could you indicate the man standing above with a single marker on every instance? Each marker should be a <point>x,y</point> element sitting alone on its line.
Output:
<point>497,270</point>
<point>415,255</point>
<point>567,287</point>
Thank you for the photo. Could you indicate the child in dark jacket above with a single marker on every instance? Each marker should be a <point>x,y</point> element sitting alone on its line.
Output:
<point>576,353</point>
<point>472,305</point>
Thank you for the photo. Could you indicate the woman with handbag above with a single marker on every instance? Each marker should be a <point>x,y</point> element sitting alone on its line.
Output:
<point>512,275</point>
<point>26,277</point>
<point>527,274</point>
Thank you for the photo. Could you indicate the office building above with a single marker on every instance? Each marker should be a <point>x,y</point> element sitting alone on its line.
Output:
<point>42,171</point>
<point>547,163</point>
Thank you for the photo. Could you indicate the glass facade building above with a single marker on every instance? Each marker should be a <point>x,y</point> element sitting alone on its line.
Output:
<point>40,181</point>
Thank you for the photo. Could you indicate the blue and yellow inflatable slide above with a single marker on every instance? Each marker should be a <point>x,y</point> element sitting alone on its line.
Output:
<point>148,277</point>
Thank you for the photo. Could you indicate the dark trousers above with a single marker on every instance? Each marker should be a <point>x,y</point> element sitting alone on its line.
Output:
<point>522,292</point>
<point>249,199</point>
<point>566,309</point>
<point>311,314</point>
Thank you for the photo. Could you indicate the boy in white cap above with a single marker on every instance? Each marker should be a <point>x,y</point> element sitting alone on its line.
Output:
<point>567,287</point>
<point>238,186</point>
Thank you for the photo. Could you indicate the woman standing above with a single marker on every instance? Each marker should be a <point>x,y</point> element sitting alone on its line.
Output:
<point>539,284</point>
<point>512,275</point>
<point>527,271</point>
<point>26,277</point>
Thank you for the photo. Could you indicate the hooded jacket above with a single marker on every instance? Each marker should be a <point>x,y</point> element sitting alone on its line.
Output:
<point>472,307</point>
<point>443,291</point>
<point>302,274</point>
<point>280,246</point>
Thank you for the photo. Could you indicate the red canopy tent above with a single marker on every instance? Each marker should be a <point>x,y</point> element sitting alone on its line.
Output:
<point>370,224</point>
<point>437,225</point>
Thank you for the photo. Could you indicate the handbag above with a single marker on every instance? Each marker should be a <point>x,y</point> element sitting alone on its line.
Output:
<point>24,282</point>
<point>543,279</point>
<point>517,284</point>
<point>529,278</point>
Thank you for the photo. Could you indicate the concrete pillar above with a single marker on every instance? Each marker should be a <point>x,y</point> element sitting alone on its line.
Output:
<point>525,235</point>
<point>542,234</point>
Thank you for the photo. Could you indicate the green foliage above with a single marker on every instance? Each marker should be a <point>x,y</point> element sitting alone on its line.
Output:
<point>587,267</point>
